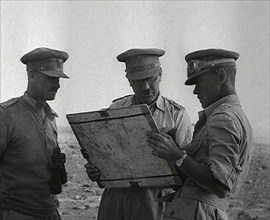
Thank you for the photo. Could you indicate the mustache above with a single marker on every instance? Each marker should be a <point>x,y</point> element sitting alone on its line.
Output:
<point>147,91</point>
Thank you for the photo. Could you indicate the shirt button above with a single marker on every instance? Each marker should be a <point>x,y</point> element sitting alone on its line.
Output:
<point>171,212</point>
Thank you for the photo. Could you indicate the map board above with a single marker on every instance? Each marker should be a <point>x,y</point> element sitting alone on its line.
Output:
<point>115,141</point>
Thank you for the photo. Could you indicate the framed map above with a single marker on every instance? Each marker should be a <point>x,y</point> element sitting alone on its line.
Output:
<point>115,141</point>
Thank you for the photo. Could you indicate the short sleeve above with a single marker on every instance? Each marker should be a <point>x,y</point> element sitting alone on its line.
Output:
<point>224,148</point>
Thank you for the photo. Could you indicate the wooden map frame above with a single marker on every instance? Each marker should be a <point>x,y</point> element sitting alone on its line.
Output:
<point>115,141</point>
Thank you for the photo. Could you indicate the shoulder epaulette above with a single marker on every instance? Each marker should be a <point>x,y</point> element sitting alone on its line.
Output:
<point>175,104</point>
<point>9,102</point>
<point>121,98</point>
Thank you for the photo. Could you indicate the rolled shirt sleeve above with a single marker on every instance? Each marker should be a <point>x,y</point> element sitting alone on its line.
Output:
<point>224,149</point>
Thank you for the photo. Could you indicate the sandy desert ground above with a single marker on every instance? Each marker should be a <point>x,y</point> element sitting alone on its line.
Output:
<point>80,197</point>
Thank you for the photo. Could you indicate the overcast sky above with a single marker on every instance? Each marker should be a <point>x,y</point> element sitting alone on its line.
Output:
<point>95,32</point>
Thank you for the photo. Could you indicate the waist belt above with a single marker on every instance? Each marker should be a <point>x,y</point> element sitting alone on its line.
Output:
<point>199,194</point>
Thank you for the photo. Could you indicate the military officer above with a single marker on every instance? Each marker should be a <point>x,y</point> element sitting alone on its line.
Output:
<point>32,167</point>
<point>217,160</point>
<point>144,73</point>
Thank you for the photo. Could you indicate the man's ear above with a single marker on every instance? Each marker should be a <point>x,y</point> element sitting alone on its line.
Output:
<point>222,75</point>
<point>30,75</point>
<point>160,75</point>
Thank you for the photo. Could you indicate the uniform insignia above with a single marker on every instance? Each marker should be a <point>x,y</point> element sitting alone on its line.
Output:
<point>42,68</point>
<point>9,102</point>
<point>175,104</point>
<point>59,64</point>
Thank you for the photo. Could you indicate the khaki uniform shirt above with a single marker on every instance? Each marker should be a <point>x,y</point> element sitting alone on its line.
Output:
<point>140,203</point>
<point>223,141</point>
<point>26,146</point>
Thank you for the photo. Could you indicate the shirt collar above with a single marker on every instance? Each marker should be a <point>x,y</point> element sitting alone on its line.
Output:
<point>32,102</point>
<point>160,103</point>
<point>29,100</point>
<point>211,108</point>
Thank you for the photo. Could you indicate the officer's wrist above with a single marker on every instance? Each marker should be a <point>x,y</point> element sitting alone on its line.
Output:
<point>178,162</point>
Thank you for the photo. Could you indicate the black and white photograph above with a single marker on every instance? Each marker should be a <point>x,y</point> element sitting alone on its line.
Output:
<point>134,110</point>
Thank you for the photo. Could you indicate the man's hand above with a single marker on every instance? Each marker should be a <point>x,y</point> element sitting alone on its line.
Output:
<point>169,130</point>
<point>85,154</point>
<point>164,146</point>
<point>92,172</point>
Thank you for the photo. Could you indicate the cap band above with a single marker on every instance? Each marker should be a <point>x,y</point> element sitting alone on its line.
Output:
<point>52,64</point>
<point>142,67</point>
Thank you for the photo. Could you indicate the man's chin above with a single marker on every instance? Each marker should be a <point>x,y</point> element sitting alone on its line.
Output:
<point>149,100</point>
<point>50,98</point>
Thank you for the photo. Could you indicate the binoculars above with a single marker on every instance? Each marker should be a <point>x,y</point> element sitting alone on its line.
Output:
<point>58,171</point>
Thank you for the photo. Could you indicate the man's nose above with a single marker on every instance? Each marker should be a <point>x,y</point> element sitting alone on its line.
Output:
<point>195,91</point>
<point>145,84</point>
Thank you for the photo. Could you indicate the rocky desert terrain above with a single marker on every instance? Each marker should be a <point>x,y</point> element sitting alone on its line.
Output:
<point>80,197</point>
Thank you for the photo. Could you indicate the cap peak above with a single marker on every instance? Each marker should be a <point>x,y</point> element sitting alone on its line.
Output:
<point>46,60</point>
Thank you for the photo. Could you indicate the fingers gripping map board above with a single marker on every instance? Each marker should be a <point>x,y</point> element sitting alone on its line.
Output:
<point>115,141</point>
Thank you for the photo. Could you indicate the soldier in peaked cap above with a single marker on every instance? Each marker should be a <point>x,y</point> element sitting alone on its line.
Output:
<point>143,71</point>
<point>217,160</point>
<point>47,61</point>
<point>30,158</point>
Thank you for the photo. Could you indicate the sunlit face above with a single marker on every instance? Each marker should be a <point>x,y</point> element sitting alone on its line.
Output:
<point>44,87</point>
<point>207,88</point>
<point>146,90</point>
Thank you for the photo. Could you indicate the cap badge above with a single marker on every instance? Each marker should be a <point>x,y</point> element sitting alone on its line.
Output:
<point>60,64</point>
<point>42,68</point>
